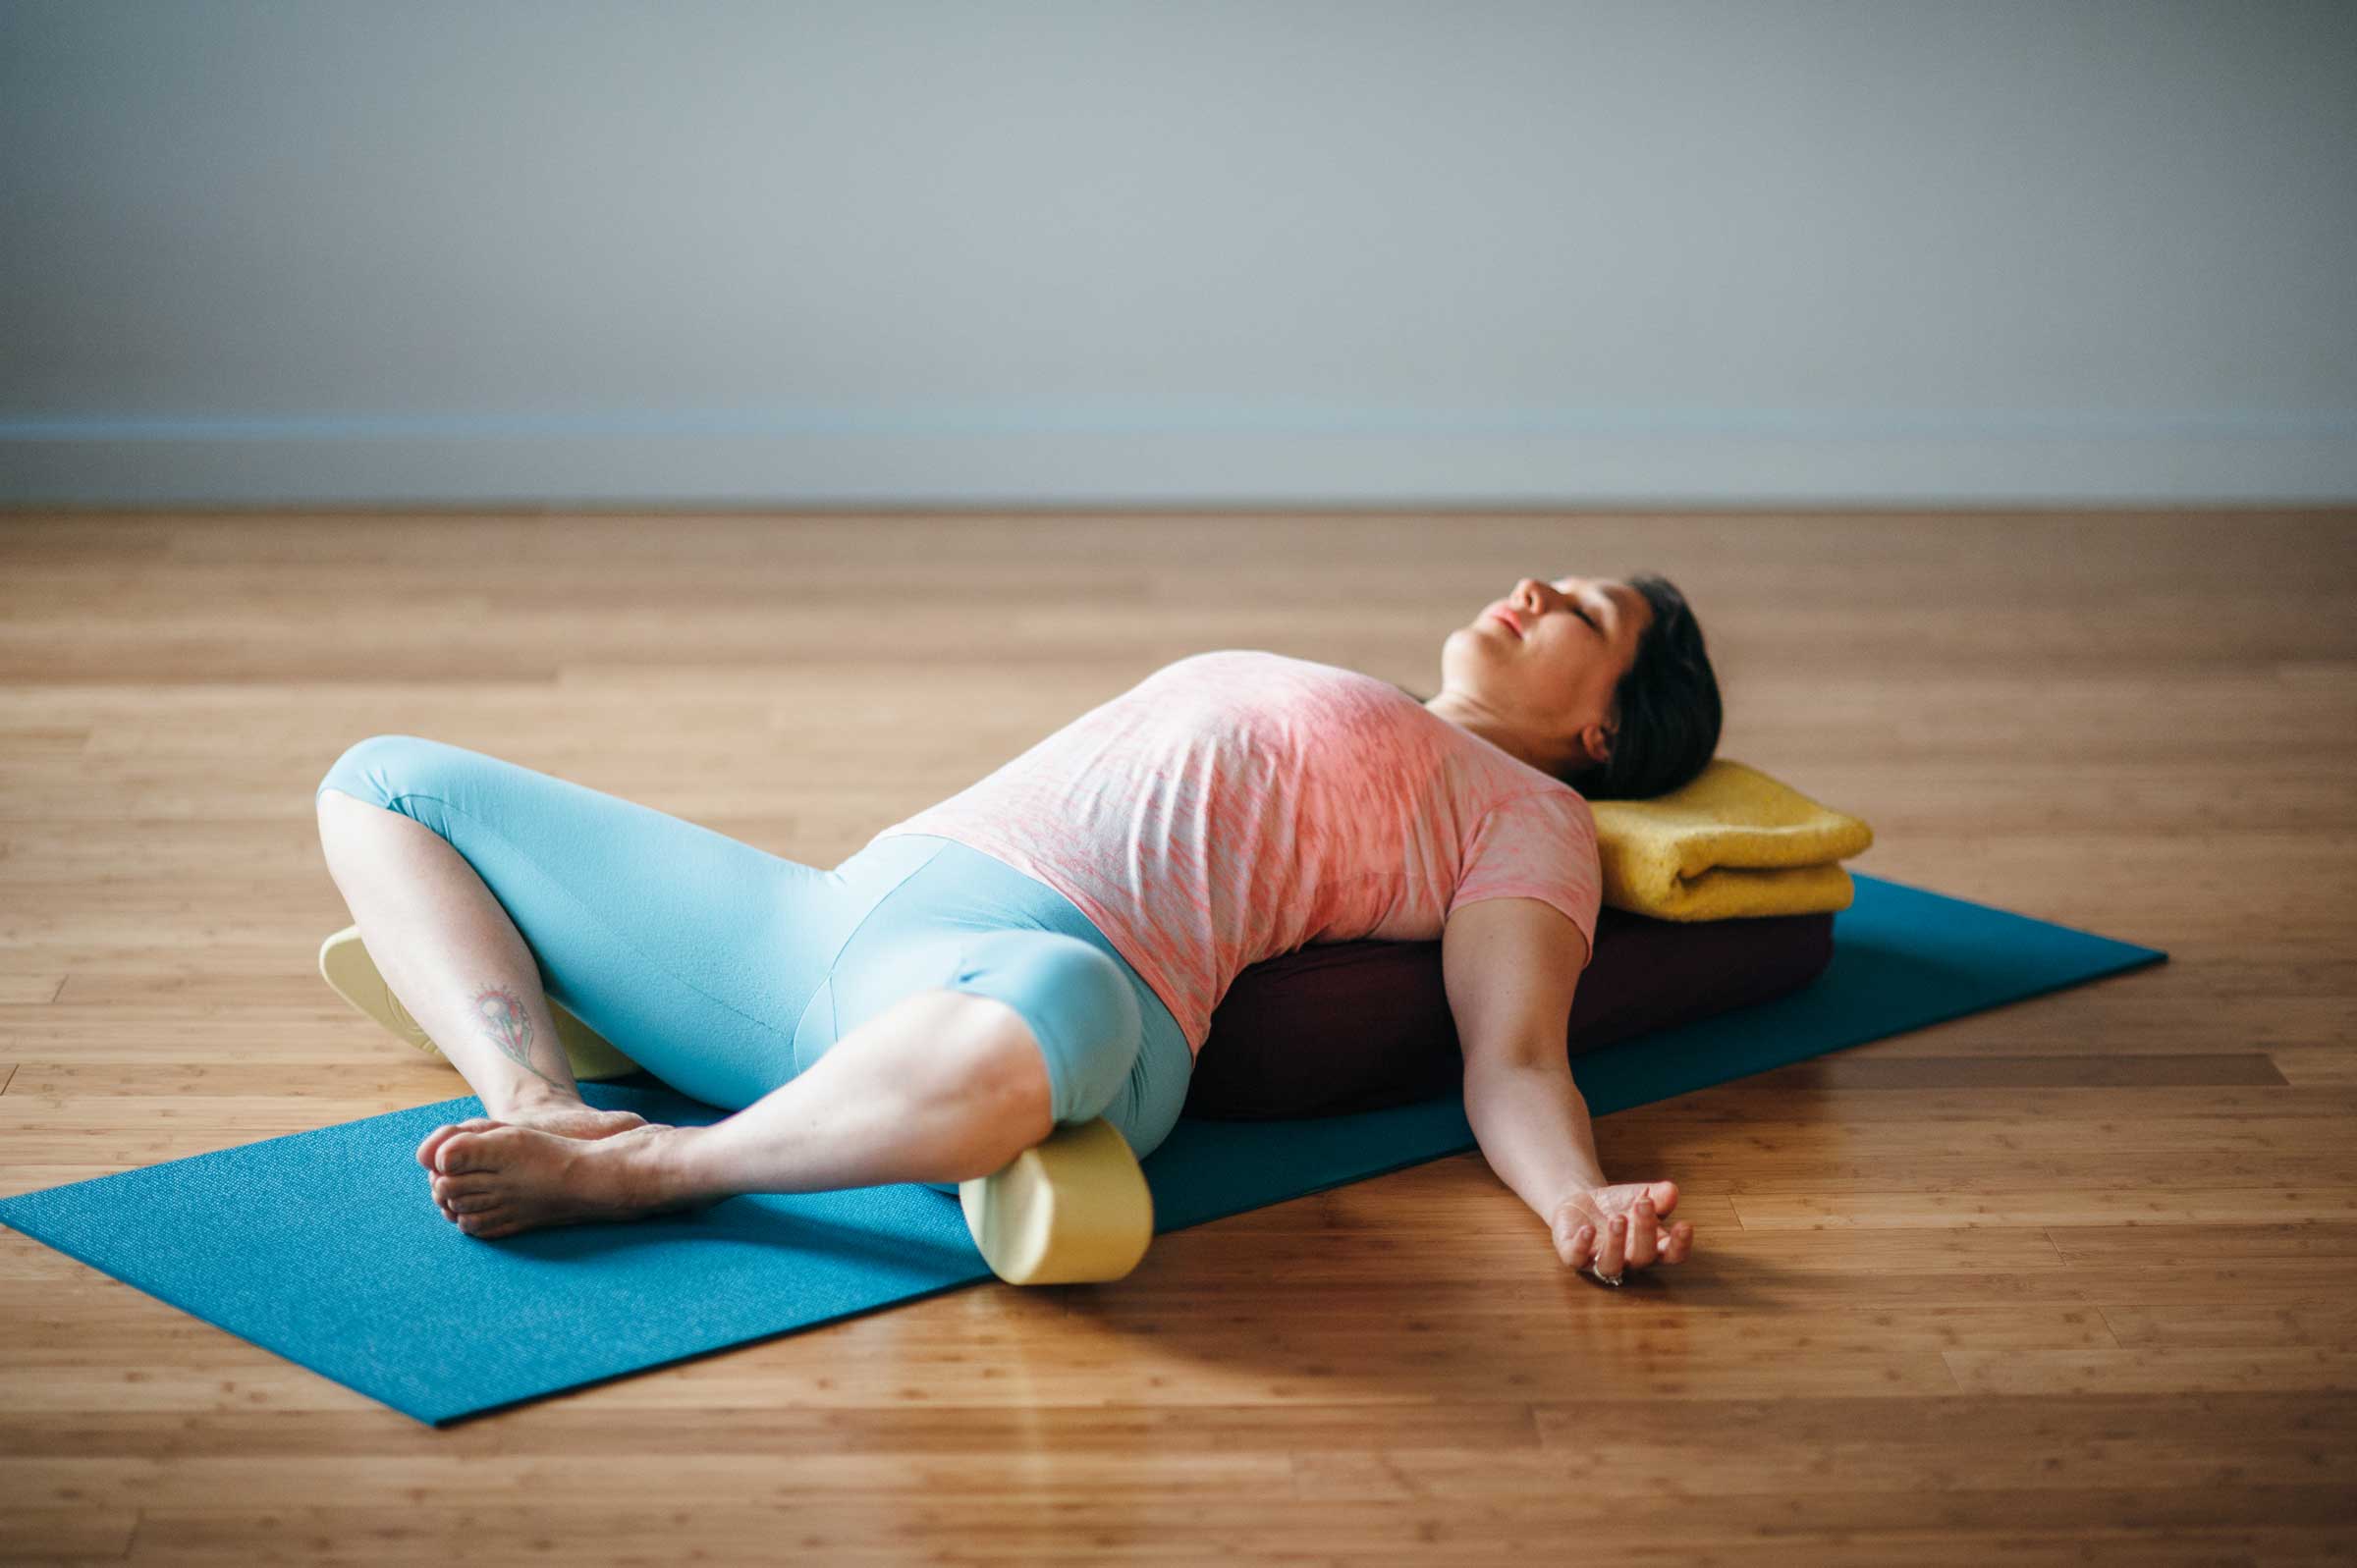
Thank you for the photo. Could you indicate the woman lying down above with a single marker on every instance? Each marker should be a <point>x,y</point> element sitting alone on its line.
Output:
<point>1042,950</point>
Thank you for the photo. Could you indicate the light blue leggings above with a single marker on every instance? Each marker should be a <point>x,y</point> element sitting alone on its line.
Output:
<point>725,970</point>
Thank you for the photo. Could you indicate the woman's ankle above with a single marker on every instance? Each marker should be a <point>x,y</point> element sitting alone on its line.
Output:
<point>522,1101</point>
<point>676,1166</point>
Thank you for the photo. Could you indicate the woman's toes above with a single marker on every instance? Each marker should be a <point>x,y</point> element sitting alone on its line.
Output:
<point>466,1151</point>
<point>440,1135</point>
<point>464,1192</point>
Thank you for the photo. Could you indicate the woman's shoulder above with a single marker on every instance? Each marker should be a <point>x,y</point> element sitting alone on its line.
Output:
<point>1553,804</point>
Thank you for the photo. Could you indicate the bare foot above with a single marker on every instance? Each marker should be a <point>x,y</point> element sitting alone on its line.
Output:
<point>495,1179</point>
<point>569,1119</point>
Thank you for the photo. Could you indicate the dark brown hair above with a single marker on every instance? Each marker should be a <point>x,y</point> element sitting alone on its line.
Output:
<point>1668,703</point>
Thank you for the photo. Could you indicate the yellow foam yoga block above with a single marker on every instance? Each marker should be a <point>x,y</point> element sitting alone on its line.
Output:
<point>1074,1209</point>
<point>345,964</point>
<point>1069,1211</point>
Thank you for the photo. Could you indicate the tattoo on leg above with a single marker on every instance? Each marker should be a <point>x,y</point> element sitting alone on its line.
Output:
<point>509,1027</point>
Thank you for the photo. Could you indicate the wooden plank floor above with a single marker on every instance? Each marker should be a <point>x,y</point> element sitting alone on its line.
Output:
<point>2071,1281</point>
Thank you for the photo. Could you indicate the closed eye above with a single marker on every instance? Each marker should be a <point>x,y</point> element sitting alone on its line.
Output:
<point>1584,616</point>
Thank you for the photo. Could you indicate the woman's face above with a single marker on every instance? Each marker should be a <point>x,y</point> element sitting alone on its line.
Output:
<point>1542,662</point>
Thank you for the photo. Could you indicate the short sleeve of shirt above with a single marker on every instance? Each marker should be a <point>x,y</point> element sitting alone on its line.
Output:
<point>1537,845</point>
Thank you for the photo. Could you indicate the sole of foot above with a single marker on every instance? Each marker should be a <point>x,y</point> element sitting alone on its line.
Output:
<point>497,1179</point>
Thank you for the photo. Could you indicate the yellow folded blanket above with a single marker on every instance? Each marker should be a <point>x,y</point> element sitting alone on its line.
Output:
<point>1730,844</point>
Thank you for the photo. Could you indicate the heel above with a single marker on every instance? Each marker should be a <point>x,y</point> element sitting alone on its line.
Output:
<point>1075,1209</point>
<point>345,964</point>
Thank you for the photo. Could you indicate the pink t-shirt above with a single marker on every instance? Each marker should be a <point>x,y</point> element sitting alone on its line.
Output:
<point>1235,806</point>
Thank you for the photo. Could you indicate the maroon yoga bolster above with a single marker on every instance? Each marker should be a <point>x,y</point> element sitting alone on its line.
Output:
<point>1349,1026</point>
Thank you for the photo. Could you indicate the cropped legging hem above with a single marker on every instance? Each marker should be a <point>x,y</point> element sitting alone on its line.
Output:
<point>725,970</point>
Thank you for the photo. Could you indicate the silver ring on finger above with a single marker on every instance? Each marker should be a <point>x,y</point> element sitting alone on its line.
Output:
<point>1603,1279</point>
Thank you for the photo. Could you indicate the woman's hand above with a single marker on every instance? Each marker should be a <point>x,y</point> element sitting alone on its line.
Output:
<point>1614,1229</point>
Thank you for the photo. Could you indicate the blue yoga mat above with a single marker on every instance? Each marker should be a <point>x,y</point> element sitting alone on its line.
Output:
<point>325,1247</point>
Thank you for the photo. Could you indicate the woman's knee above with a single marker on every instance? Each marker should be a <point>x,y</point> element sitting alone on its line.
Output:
<point>378,770</point>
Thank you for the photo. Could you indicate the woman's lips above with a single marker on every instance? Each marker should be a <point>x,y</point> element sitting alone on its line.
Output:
<point>1506,621</point>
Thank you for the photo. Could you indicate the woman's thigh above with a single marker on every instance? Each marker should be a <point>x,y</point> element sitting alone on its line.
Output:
<point>694,954</point>
<point>968,923</point>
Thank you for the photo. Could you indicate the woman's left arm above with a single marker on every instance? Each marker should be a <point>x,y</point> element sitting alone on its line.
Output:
<point>1510,965</point>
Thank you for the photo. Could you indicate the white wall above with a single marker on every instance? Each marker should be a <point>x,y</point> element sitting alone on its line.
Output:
<point>1259,252</point>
